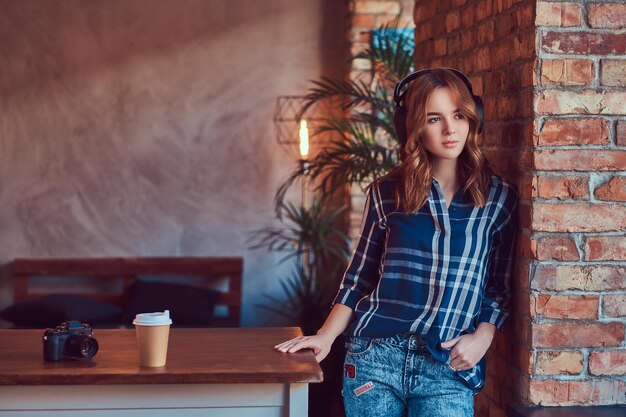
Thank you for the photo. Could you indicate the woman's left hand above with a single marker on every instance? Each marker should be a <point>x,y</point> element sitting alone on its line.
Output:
<point>468,349</point>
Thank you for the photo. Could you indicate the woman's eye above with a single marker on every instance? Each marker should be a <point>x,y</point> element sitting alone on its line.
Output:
<point>460,116</point>
<point>433,120</point>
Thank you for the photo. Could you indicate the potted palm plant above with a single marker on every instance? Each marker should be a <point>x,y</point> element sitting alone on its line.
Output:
<point>365,148</point>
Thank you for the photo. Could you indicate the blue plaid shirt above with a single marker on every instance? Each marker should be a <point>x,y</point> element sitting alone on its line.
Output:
<point>437,273</point>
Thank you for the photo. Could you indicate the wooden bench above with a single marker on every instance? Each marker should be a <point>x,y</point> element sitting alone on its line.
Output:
<point>127,270</point>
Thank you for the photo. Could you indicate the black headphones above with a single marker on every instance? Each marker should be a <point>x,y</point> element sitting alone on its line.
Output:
<point>399,114</point>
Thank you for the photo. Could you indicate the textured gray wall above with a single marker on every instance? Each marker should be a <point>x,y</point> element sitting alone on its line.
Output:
<point>144,128</point>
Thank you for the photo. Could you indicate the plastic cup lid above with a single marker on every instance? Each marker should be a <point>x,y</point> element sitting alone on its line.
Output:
<point>153,319</point>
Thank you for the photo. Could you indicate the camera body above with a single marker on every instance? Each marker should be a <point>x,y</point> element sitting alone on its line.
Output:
<point>69,340</point>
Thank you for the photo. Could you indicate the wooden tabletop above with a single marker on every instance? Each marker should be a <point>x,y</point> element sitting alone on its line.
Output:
<point>195,356</point>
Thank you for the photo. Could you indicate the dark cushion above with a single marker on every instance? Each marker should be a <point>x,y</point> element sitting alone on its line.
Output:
<point>54,309</point>
<point>188,305</point>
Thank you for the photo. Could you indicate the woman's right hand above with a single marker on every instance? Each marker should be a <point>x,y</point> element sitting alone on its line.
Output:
<point>319,343</point>
<point>336,322</point>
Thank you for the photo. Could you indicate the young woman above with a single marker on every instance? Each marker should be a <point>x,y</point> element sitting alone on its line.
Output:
<point>428,283</point>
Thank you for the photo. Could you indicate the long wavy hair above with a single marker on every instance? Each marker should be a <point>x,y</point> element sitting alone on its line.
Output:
<point>415,170</point>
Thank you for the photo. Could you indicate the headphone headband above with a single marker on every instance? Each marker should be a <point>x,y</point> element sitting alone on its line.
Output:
<point>399,115</point>
<point>397,96</point>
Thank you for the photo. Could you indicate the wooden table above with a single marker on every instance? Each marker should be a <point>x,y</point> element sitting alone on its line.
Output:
<point>209,372</point>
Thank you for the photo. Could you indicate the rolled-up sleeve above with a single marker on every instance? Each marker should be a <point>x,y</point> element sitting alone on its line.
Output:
<point>364,269</point>
<point>495,307</point>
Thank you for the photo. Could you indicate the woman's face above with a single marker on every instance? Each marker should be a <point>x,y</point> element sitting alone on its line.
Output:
<point>446,128</point>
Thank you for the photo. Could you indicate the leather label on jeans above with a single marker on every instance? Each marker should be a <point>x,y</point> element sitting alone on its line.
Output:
<point>350,371</point>
<point>363,388</point>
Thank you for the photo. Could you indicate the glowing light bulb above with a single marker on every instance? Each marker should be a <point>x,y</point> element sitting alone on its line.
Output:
<point>304,140</point>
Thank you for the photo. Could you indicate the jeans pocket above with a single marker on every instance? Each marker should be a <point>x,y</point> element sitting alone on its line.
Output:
<point>358,345</point>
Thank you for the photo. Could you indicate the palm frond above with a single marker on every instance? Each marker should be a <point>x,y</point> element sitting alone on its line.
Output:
<point>312,229</point>
<point>351,161</point>
<point>350,93</point>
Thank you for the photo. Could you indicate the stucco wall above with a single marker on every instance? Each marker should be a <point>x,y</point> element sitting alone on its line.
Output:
<point>144,128</point>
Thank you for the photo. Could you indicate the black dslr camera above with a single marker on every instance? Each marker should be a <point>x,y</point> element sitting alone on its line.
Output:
<point>70,340</point>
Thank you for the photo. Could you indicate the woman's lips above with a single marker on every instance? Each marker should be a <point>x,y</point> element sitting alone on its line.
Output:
<point>450,144</point>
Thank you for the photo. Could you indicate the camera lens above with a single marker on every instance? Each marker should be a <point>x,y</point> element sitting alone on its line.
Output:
<point>81,346</point>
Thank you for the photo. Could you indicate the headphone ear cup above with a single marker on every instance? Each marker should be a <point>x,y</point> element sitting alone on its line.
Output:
<point>399,121</point>
<point>480,110</point>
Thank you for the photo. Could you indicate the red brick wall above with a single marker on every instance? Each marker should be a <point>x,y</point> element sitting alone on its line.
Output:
<point>552,75</point>
<point>578,275</point>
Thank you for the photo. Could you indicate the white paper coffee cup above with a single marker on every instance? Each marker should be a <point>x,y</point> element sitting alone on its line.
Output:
<point>152,331</point>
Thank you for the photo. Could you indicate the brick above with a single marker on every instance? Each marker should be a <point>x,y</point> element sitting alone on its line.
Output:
<point>467,40</point>
<point>505,24</point>
<point>363,20</point>
<point>578,217</point>
<point>560,248</point>
<point>580,42</point>
<point>523,303</point>
<point>567,306</point>
<point>454,43</point>
<point>584,102</point>
<point>527,187</point>
<point>613,73</point>
<point>530,73</point>
<point>563,187</point>
<point>605,248</point>
<point>609,16</point>
<point>440,46</point>
<point>559,363</point>
<point>585,278</point>
<point>524,16</point>
<point>558,14</point>
<point>614,305</point>
<point>579,160</point>
<point>524,358</point>
<point>377,7</point>
<point>484,9</point>
<point>453,21</point>
<point>621,133</point>
<point>501,53</point>
<point>523,47</point>
<point>486,32</point>
<point>423,11</point>
<point>567,72</point>
<point>549,392</point>
<point>422,32</point>
<point>443,6</point>
<point>612,190</point>
<point>609,362</point>
<point>521,331</point>
<point>507,105</point>
<point>468,16</point>
<point>483,60</point>
<point>555,335</point>
<point>425,50</point>
<point>578,131</point>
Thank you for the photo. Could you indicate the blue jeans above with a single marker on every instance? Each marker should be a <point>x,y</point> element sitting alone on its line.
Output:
<point>396,375</point>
